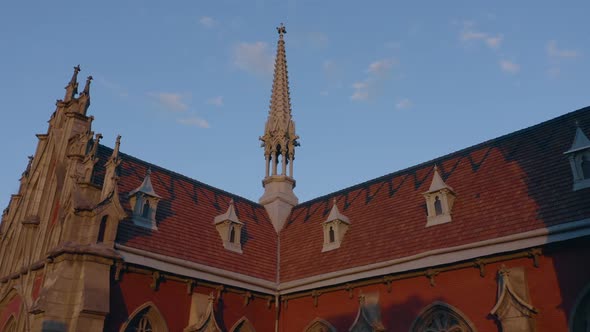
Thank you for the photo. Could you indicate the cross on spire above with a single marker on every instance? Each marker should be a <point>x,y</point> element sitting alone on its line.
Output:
<point>281,30</point>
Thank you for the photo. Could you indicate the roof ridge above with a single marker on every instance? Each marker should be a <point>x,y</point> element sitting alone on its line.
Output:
<point>184,177</point>
<point>444,157</point>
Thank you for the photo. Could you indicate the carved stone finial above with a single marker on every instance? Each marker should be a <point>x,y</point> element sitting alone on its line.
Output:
<point>75,75</point>
<point>281,30</point>
<point>115,154</point>
<point>28,169</point>
<point>87,86</point>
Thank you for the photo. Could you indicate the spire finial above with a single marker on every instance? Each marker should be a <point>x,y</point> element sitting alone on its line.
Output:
<point>577,122</point>
<point>281,30</point>
<point>72,87</point>
<point>87,86</point>
<point>115,154</point>
<point>75,75</point>
<point>149,171</point>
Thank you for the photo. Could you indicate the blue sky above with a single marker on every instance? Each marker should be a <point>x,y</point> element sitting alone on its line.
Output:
<point>376,86</point>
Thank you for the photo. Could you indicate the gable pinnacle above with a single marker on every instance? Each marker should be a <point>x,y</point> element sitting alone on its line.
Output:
<point>72,87</point>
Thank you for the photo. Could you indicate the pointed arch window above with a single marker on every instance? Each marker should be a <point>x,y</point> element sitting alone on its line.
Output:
<point>319,325</point>
<point>243,325</point>
<point>332,238</point>
<point>232,234</point>
<point>146,318</point>
<point>145,212</point>
<point>441,317</point>
<point>437,206</point>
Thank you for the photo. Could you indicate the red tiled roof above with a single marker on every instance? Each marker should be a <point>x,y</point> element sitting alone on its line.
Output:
<point>512,184</point>
<point>185,221</point>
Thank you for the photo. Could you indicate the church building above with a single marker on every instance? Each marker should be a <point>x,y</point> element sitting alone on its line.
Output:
<point>494,237</point>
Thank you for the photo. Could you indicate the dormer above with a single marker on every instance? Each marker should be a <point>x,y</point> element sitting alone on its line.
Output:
<point>230,229</point>
<point>579,157</point>
<point>334,229</point>
<point>439,201</point>
<point>144,203</point>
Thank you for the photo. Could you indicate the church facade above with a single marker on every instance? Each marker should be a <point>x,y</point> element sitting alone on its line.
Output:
<point>494,237</point>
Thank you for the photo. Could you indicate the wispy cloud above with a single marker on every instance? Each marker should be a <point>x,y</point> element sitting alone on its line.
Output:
<point>404,104</point>
<point>319,39</point>
<point>113,87</point>
<point>469,33</point>
<point>207,22</point>
<point>377,72</point>
<point>554,52</point>
<point>194,121</point>
<point>253,57</point>
<point>509,67</point>
<point>171,101</point>
<point>215,101</point>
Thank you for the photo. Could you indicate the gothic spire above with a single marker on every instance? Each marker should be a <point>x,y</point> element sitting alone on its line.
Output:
<point>279,137</point>
<point>279,142</point>
<point>72,87</point>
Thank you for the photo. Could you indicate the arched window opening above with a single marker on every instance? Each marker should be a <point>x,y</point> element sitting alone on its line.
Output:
<point>319,325</point>
<point>146,319</point>
<point>331,234</point>
<point>437,206</point>
<point>232,234</point>
<point>101,229</point>
<point>145,213</point>
<point>441,317</point>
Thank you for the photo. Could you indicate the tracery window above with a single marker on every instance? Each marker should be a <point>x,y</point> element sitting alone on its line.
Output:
<point>441,317</point>
<point>146,319</point>
<point>319,325</point>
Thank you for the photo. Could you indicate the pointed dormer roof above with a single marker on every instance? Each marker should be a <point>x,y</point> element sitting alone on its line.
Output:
<point>437,183</point>
<point>336,215</point>
<point>581,141</point>
<point>280,127</point>
<point>230,215</point>
<point>72,87</point>
<point>146,186</point>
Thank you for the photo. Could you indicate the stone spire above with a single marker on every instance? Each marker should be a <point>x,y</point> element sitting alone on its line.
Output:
<point>85,96</point>
<point>72,87</point>
<point>279,142</point>
<point>279,139</point>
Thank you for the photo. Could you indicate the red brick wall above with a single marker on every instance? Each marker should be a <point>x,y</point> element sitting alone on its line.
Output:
<point>174,303</point>
<point>553,287</point>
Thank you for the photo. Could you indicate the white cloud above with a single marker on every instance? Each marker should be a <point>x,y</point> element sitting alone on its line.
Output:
<point>253,57</point>
<point>319,39</point>
<point>170,101</point>
<point>207,22</point>
<point>215,101</point>
<point>194,121</point>
<point>555,52</point>
<point>404,104</point>
<point>470,34</point>
<point>361,91</point>
<point>381,66</point>
<point>377,73</point>
<point>509,67</point>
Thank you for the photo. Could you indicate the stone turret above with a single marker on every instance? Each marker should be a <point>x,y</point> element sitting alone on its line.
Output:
<point>279,142</point>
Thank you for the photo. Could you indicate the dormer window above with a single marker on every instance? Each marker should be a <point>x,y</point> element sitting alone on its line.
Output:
<point>230,229</point>
<point>144,203</point>
<point>579,158</point>
<point>439,201</point>
<point>334,229</point>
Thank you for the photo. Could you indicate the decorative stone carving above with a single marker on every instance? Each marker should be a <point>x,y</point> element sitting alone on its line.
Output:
<point>335,228</point>
<point>202,320</point>
<point>368,317</point>
<point>144,202</point>
<point>441,317</point>
<point>230,229</point>
<point>439,201</point>
<point>579,158</point>
<point>513,308</point>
